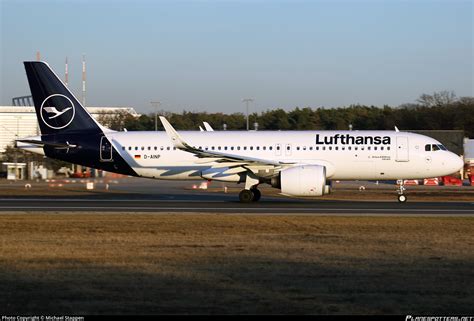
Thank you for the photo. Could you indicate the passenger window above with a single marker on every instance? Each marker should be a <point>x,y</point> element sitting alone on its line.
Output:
<point>310,147</point>
<point>388,148</point>
<point>168,148</point>
<point>317,147</point>
<point>264,147</point>
<point>245,147</point>
<point>336,148</point>
<point>271,148</point>
<point>149,147</point>
<point>136,148</point>
<point>381,147</point>
<point>368,147</point>
<point>298,148</point>
<point>324,147</point>
<point>258,147</point>
<point>156,148</point>
<point>238,147</point>
<point>278,147</point>
<point>161,148</point>
<point>232,148</point>
<point>251,147</point>
<point>225,147</point>
<point>330,147</point>
<point>349,148</point>
<point>375,148</point>
<point>129,147</point>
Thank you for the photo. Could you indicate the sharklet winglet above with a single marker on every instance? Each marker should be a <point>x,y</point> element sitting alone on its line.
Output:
<point>176,138</point>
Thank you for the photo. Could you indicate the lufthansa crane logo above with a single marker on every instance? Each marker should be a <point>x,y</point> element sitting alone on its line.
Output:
<point>57,111</point>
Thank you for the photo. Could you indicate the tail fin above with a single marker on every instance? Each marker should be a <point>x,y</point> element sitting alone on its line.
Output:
<point>57,109</point>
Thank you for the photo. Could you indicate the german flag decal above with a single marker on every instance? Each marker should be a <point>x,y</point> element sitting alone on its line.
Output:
<point>138,156</point>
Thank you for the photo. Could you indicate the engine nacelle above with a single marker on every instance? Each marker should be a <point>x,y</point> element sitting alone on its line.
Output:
<point>304,180</point>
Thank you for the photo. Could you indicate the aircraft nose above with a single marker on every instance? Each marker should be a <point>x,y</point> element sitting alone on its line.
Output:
<point>456,162</point>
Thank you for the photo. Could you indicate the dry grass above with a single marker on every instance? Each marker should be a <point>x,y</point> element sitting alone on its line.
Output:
<point>147,264</point>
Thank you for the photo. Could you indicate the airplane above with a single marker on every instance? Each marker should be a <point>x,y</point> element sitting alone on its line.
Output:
<point>299,163</point>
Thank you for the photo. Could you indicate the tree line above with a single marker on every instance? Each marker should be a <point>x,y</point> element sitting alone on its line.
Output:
<point>440,111</point>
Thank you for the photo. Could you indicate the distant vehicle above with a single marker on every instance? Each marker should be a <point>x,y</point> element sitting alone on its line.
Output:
<point>80,175</point>
<point>300,163</point>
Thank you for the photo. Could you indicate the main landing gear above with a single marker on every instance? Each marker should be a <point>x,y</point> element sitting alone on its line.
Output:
<point>250,193</point>
<point>401,189</point>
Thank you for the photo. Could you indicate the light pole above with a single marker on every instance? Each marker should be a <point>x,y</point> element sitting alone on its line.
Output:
<point>16,137</point>
<point>247,101</point>
<point>156,104</point>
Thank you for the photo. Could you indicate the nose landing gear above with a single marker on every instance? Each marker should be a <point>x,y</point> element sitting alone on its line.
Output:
<point>401,189</point>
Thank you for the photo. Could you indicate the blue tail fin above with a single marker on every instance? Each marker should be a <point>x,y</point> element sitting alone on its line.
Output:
<point>57,109</point>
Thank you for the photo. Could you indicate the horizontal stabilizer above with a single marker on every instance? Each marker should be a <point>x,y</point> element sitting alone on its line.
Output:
<point>49,144</point>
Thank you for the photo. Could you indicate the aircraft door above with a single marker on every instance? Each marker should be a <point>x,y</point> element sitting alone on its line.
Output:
<point>402,149</point>
<point>105,150</point>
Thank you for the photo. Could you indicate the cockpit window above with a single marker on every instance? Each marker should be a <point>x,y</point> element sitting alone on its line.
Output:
<point>434,147</point>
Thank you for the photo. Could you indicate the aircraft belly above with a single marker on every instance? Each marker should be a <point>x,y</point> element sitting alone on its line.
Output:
<point>172,172</point>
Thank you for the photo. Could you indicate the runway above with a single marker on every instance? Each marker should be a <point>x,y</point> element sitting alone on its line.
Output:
<point>163,197</point>
<point>220,204</point>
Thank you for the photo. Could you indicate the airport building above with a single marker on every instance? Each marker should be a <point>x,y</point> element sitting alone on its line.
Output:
<point>20,121</point>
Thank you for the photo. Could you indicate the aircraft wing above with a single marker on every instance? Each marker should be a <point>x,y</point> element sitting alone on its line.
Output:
<point>215,156</point>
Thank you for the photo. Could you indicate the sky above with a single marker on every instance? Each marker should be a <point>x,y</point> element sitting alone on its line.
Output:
<point>209,55</point>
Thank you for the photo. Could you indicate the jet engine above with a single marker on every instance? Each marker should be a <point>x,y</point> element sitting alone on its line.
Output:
<point>303,180</point>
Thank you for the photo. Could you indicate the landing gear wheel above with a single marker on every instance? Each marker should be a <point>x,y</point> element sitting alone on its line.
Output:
<point>402,198</point>
<point>256,194</point>
<point>246,196</point>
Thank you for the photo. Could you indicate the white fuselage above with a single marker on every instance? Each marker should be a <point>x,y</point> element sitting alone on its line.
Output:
<point>346,156</point>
